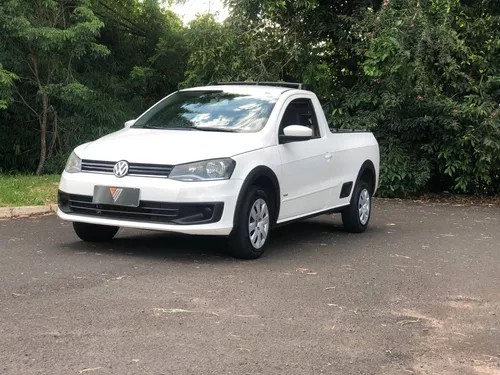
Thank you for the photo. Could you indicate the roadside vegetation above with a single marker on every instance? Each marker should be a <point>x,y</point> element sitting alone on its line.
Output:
<point>423,75</point>
<point>22,190</point>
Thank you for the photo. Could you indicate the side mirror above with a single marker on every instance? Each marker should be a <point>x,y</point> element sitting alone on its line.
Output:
<point>129,123</point>
<point>294,133</point>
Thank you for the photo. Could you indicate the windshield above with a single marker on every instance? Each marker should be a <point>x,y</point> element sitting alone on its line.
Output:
<point>211,111</point>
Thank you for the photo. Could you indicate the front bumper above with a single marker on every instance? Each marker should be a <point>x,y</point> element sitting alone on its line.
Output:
<point>205,208</point>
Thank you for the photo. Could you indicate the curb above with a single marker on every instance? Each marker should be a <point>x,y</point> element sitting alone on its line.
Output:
<point>13,212</point>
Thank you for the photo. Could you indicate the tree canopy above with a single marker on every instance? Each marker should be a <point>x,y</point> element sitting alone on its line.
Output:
<point>423,75</point>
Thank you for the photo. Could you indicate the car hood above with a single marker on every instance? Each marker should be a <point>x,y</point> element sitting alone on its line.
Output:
<point>159,146</point>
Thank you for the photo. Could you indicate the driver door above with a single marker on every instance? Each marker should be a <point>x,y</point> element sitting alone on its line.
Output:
<point>305,165</point>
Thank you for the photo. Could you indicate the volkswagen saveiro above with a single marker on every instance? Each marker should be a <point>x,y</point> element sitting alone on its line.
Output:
<point>227,159</point>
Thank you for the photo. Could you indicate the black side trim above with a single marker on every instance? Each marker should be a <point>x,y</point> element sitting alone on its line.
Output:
<point>346,189</point>
<point>287,139</point>
<point>327,212</point>
<point>337,130</point>
<point>257,172</point>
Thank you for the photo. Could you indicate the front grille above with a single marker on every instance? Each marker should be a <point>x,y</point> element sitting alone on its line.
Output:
<point>149,211</point>
<point>134,169</point>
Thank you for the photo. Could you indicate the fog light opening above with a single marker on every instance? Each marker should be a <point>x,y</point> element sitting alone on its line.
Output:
<point>208,212</point>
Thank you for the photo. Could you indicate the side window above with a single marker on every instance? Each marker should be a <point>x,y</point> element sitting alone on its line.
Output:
<point>300,112</point>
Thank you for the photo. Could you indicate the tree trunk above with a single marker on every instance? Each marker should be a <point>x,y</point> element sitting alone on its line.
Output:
<point>43,134</point>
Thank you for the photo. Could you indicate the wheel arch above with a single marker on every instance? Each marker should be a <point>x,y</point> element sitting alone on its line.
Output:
<point>367,173</point>
<point>265,177</point>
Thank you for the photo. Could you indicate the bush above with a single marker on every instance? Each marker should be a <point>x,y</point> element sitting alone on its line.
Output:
<point>401,171</point>
<point>431,93</point>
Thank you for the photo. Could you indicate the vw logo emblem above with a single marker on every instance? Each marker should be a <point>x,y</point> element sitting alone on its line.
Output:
<point>121,168</point>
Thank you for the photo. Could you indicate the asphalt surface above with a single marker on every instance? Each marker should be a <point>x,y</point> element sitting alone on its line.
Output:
<point>419,292</point>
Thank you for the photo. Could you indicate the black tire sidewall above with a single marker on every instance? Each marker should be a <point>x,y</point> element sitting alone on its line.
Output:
<point>94,232</point>
<point>350,216</point>
<point>240,243</point>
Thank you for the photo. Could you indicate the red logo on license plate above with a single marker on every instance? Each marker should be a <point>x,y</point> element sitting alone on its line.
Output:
<point>115,193</point>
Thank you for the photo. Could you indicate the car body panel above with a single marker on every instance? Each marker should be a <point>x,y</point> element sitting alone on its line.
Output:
<point>170,147</point>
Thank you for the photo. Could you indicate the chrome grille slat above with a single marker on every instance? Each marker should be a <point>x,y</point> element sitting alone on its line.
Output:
<point>93,162</point>
<point>149,167</point>
<point>135,169</point>
<point>99,169</point>
<point>156,173</point>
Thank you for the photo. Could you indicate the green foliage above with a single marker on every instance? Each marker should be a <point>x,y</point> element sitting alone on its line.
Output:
<point>41,39</point>
<point>402,171</point>
<point>435,79</point>
<point>84,68</point>
<point>423,75</point>
<point>6,81</point>
<point>238,50</point>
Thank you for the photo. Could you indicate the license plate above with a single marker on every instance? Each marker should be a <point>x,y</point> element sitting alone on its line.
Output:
<point>116,195</point>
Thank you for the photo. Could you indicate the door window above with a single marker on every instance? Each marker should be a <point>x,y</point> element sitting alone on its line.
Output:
<point>300,112</point>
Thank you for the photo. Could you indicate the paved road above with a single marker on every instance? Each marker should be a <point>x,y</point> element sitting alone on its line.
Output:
<point>418,293</point>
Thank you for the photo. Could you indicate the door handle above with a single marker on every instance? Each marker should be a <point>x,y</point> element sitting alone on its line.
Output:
<point>328,157</point>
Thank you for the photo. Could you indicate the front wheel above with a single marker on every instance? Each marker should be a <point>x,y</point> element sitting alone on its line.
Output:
<point>94,232</point>
<point>357,215</point>
<point>253,225</point>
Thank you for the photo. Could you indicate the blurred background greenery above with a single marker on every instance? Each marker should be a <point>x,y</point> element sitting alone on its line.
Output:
<point>423,75</point>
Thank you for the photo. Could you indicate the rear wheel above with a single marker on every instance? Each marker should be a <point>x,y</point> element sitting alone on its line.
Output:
<point>357,215</point>
<point>94,232</point>
<point>253,225</point>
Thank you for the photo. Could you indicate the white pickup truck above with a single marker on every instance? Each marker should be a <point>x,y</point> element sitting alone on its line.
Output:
<point>228,159</point>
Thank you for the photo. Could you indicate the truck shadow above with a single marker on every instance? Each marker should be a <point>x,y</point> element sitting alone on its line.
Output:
<point>176,247</point>
<point>309,235</point>
<point>158,246</point>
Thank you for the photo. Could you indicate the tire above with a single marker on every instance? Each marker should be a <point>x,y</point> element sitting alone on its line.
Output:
<point>357,215</point>
<point>94,232</point>
<point>243,242</point>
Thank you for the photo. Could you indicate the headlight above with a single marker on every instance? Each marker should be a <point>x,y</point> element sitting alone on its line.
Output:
<point>209,170</point>
<point>74,164</point>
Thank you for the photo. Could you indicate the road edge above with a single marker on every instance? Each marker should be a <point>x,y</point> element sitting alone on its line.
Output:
<point>25,211</point>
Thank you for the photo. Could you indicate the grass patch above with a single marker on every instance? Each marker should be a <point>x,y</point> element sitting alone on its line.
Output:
<point>18,190</point>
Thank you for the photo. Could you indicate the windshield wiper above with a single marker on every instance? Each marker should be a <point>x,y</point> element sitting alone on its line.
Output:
<point>159,127</point>
<point>187,128</point>
<point>215,129</point>
<point>147,127</point>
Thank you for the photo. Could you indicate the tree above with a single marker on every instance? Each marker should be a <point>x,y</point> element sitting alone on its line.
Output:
<point>423,75</point>
<point>430,93</point>
<point>42,39</point>
<point>239,49</point>
<point>148,48</point>
<point>6,81</point>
